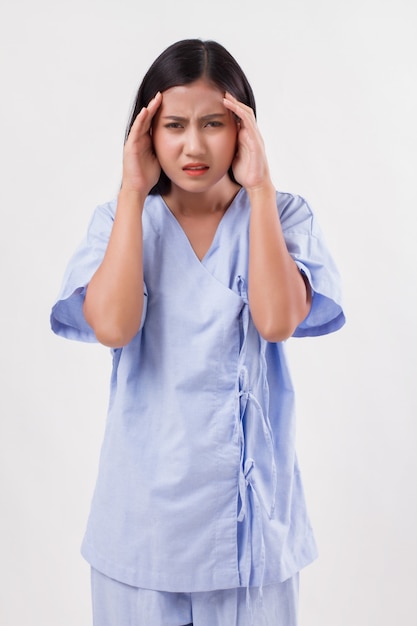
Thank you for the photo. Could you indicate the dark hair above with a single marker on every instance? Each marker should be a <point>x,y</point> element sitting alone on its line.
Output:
<point>183,63</point>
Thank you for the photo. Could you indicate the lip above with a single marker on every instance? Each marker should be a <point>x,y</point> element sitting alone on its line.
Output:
<point>195,169</point>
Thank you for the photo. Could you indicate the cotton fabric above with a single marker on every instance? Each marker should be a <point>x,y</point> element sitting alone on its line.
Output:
<point>116,603</point>
<point>198,486</point>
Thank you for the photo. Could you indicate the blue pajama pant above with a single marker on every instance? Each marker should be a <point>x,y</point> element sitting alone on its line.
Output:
<point>117,604</point>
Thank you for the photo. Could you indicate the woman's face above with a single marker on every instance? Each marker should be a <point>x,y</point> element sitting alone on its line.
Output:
<point>194,136</point>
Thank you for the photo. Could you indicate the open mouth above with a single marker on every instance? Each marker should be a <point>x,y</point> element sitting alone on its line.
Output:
<point>195,169</point>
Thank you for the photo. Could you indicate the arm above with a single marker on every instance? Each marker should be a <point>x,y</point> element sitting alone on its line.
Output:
<point>114,298</point>
<point>279,297</point>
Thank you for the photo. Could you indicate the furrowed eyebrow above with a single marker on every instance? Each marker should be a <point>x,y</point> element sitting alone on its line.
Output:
<point>204,118</point>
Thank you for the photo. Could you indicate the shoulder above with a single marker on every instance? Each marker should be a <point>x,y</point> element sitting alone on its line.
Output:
<point>155,213</point>
<point>290,203</point>
<point>295,213</point>
<point>104,213</point>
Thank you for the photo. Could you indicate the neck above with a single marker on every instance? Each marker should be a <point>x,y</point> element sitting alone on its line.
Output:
<point>215,200</point>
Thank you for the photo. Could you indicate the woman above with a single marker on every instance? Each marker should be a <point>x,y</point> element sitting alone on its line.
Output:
<point>194,276</point>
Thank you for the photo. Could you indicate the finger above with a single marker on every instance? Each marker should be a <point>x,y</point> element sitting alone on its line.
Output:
<point>152,109</point>
<point>236,113</point>
<point>231,105</point>
<point>237,107</point>
<point>155,103</point>
<point>242,118</point>
<point>144,118</point>
<point>137,127</point>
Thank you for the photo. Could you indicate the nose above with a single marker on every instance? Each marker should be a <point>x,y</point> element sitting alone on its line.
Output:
<point>193,142</point>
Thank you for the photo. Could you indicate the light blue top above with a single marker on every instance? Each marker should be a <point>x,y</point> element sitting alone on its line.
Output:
<point>198,485</point>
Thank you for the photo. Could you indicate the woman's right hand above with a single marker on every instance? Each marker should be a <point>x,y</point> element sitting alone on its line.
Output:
<point>141,169</point>
<point>114,299</point>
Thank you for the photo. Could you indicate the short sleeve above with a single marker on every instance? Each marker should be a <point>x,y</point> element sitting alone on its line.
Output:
<point>307,246</point>
<point>67,318</point>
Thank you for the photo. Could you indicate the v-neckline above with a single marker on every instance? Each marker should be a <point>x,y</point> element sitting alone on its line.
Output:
<point>216,233</point>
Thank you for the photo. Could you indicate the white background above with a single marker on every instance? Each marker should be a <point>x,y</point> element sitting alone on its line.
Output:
<point>335,84</point>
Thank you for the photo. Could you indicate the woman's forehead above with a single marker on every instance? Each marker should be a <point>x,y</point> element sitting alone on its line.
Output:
<point>199,94</point>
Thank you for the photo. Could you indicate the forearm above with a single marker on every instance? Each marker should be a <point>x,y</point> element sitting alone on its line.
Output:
<point>114,298</point>
<point>279,298</point>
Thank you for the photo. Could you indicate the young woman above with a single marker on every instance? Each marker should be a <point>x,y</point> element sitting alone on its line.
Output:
<point>194,276</point>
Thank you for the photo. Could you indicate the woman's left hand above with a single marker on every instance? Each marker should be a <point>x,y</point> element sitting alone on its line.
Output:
<point>250,165</point>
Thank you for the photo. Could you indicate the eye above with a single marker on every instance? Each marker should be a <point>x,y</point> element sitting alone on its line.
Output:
<point>173,125</point>
<point>214,124</point>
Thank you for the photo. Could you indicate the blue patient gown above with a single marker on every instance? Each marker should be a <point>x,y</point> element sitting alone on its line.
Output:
<point>198,485</point>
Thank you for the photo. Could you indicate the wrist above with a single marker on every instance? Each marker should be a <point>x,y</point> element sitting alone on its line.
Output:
<point>264,191</point>
<point>132,195</point>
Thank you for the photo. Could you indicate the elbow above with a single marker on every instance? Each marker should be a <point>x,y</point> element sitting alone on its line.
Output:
<point>281,324</point>
<point>113,336</point>
<point>277,313</point>
<point>111,331</point>
<point>274,332</point>
<point>276,328</point>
